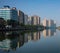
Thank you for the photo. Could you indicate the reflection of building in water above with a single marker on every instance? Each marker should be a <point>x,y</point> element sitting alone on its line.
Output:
<point>49,32</point>
<point>13,44</point>
<point>45,33</point>
<point>20,41</point>
<point>32,36</point>
<point>5,44</point>
<point>12,40</point>
<point>36,36</point>
<point>28,37</point>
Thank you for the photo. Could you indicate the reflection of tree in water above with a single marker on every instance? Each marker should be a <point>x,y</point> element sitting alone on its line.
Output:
<point>2,36</point>
<point>12,35</point>
<point>17,40</point>
<point>8,40</point>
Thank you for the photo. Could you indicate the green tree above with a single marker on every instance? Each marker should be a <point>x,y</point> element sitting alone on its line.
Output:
<point>13,23</point>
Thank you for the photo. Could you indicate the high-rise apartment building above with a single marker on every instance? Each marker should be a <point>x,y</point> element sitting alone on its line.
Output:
<point>35,20</point>
<point>45,22</point>
<point>52,24</point>
<point>49,23</point>
<point>21,17</point>
<point>29,20</point>
<point>25,19</point>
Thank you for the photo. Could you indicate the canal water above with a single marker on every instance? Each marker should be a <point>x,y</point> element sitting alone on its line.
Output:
<point>46,41</point>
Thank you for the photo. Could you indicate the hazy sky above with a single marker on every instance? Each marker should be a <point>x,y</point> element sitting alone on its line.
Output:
<point>49,9</point>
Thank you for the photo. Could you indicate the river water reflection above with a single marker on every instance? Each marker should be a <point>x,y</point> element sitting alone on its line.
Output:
<point>46,41</point>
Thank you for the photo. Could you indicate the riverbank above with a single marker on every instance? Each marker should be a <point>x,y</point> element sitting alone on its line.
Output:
<point>22,28</point>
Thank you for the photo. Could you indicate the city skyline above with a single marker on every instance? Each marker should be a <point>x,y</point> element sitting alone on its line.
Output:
<point>44,8</point>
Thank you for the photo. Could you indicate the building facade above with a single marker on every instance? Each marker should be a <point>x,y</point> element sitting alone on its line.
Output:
<point>49,23</point>
<point>8,13</point>
<point>25,19</point>
<point>29,20</point>
<point>21,17</point>
<point>52,24</point>
<point>45,22</point>
<point>35,20</point>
